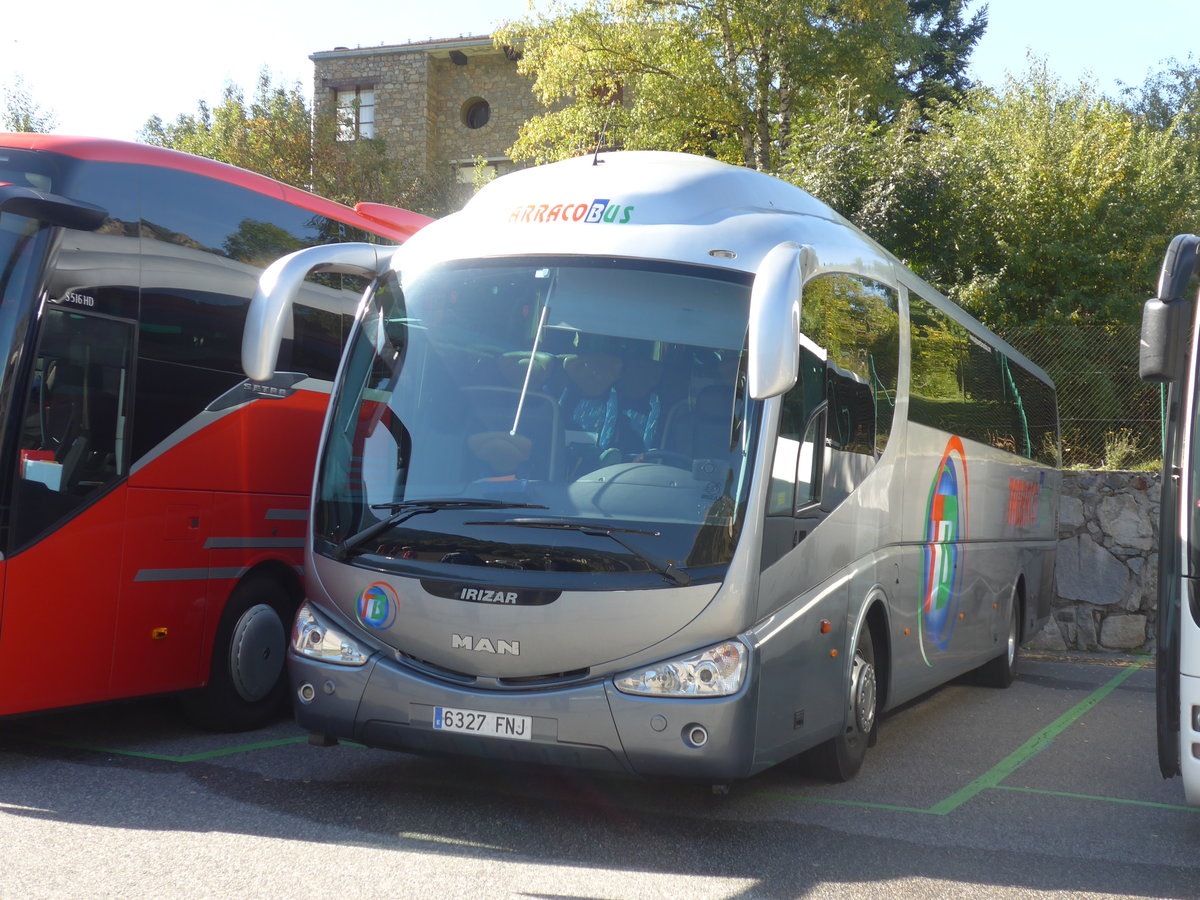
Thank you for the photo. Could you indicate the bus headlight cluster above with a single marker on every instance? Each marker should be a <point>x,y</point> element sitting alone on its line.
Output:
<point>713,672</point>
<point>313,638</point>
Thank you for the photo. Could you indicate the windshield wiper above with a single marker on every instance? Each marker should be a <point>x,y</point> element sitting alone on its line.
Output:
<point>667,570</point>
<point>401,510</point>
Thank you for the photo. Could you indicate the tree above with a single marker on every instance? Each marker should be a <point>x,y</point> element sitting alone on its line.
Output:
<point>1065,202</point>
<point>270,135</point>
<point>721,77</point>
<point>1170,99</point>
<point>1037,202</point>
<point>937,72</point>
<point>22,114</point>
<point>275,134</point>
<point>367,169</point>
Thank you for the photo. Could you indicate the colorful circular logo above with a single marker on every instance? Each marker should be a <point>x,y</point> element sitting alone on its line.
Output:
<point>377,605</point>
<point>945,529</point>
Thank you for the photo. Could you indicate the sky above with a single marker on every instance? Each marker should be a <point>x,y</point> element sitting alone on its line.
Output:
<point>103,69</point>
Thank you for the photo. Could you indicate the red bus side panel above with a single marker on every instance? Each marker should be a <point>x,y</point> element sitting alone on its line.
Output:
<point>59,613</point>
<point>268,447</point>
<point>164,584</point>
<point>124,599</point>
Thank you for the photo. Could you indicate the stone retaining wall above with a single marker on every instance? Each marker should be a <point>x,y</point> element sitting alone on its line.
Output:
<point>1107,573</point>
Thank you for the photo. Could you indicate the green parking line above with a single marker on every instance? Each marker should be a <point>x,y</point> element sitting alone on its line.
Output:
<point>1070,796</point>
<point>1033,746</point>
<point>994,777</point>
<point>832,801</point>
<point>191,757</point>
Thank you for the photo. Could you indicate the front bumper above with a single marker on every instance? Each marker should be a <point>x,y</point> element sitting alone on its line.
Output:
<point>590,725</point>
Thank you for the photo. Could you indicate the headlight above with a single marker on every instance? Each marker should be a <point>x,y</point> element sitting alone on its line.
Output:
<point>314,639</point>
<point>713,672</point>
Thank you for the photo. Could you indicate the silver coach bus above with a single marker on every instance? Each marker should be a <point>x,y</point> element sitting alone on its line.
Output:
<point>644,462</point>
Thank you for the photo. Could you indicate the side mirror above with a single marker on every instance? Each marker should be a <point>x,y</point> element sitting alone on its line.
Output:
<point>278,286</point>
<point>774,334</point>
<point>1163,342</point>
<point>1165,319</point>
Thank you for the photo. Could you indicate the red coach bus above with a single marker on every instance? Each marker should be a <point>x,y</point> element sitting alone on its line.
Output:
<point>152,500</point>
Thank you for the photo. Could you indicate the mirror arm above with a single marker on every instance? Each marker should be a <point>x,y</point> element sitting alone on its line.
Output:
<point>278,286</point>
<point>1179,266</point>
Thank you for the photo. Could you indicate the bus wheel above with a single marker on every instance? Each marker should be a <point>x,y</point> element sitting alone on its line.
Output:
<point>247,683</point>
<point>999,672</point>
<point>840,758</point>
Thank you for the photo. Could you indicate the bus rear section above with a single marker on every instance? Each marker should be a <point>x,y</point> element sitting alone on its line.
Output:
<point>134,448</point>
<point>626,469</point>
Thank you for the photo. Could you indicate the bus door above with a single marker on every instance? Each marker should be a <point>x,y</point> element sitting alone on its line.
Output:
<point>1168,324</point>
<point>67,522</point>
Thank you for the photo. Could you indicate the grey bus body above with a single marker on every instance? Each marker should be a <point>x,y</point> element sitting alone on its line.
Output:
<point>837,492</point>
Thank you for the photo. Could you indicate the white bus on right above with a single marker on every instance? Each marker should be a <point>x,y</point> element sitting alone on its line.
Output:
<point>1168,355</point>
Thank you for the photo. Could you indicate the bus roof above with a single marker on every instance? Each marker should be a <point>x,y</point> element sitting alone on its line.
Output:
<point>644,204</point>
<point>378,218</point>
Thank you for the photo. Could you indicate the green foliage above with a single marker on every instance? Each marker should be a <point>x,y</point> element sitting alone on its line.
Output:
<point>259,243</point>
<point>1170,99</point>
<point>1036,202</point>
<point>1066,199</point>
<point>481,173</point>
<point>937,73</point>
<point>269,135</point>
<point>22,113</point>
<point>1122,450</point>
<point>719,77</point>
<point>1099,392</point>
<point>368,169</point>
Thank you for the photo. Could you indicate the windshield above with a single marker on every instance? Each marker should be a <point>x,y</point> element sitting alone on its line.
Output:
<point>572,417</point>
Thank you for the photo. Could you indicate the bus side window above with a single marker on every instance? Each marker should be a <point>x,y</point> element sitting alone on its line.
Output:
<point>316,346</point>
<point>800,446</point>
<point>812,459</point>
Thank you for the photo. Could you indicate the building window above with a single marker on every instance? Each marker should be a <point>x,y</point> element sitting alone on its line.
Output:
<point>476,112</point>
<point>355,113</point>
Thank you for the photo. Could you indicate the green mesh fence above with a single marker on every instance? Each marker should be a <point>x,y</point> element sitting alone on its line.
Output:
<point>1110,418</point>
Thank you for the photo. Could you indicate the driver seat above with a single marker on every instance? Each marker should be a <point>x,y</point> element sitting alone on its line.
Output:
<point>701,428</point>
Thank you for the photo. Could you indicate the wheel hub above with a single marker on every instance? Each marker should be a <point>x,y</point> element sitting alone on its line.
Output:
<point>256,653</point>
<point>1012,637</point>
<point>863,696</point>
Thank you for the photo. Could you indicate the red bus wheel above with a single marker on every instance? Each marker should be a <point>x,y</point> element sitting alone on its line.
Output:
<point>247,680</point>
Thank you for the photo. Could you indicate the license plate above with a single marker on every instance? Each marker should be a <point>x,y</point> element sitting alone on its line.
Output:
<point>489,724</point>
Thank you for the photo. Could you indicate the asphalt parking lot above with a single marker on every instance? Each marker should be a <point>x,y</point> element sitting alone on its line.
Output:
<point>1048,789</point>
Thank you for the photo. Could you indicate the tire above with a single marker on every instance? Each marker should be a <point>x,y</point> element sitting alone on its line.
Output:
<point>999,672</point>
<point>247,683</point>
<point>840,758</point>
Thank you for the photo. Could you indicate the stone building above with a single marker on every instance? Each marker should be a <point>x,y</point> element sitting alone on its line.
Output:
<point>441,105</point>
